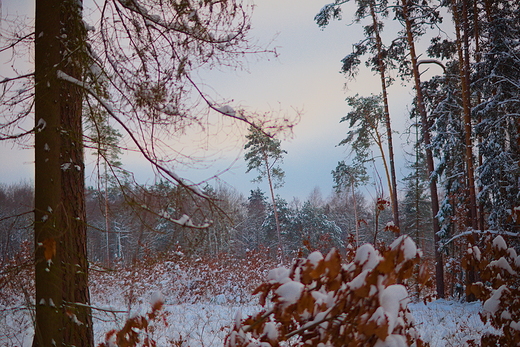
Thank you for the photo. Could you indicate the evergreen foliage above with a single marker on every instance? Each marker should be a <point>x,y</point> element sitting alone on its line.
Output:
<point>264,153</point>
<point>496,79</point>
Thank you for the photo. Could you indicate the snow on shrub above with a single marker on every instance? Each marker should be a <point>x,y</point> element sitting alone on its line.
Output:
<point>499,289</point>
<point>184,279</point>
<point>138,329</point>
<point>322,302</point>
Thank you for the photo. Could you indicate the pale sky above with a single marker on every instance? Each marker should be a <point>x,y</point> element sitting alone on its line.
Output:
<point>304,77</point>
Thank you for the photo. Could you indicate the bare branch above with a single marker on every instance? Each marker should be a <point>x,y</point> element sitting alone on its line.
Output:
<point>63,76</point>
<point>432,61</point>
<point>18,40</point>
<point>5,80</point>
<point>17,136</point>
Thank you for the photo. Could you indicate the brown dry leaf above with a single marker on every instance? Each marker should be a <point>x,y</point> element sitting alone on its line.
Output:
<point>334,284</point>
<point>400,254</point>
<point>306,302</point>
<point>264,289</point>
<point>49,248</point>
<point>378,329</point>
<point>318,270</point>
<point>333,264</point>
<point>362,291</point>
<point>407,270</point>
<point>306,277</point>
<point>387,265</point>
<point>465,262</point>
<point>393,229</point>
<point>362,221</point>
<point>483,264</point>
<point>424,275</point>
<point>476,290</point>
<point>485,276</point>
<point>382,204</point>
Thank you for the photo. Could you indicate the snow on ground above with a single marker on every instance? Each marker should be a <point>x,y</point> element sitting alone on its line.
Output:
<point>449,323</point>
<point>200,324</point>
<point>202,299</point>
<point>440,323</point>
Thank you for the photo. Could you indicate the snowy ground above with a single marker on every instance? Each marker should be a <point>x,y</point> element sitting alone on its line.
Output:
<point>441,323</point>
<point>202,299</point>
<point>449,323</point>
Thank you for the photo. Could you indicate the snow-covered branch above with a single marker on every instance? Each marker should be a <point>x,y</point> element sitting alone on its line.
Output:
<point>478,232</point>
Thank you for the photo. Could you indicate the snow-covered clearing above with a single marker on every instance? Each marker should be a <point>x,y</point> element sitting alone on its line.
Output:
<point>440,323</point>
<point>202,299</point>
<point>449,323</point>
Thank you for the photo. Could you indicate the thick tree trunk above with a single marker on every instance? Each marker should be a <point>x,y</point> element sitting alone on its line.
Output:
<point>463,55</point>
<point>439,264</point>
<point>63,316</point>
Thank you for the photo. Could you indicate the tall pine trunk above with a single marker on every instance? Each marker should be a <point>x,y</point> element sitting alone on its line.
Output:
<point>460,16</point>
<point>464,75</point>
<point>280,252</point>
<point>439,264</point>
<point>63,315</point>
<point>382,74</point>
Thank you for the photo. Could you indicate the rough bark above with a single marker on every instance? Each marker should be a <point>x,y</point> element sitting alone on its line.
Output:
<point>439,264</point>
<point>63,316</point>
<point>463,55</point>
<point>460,17</point>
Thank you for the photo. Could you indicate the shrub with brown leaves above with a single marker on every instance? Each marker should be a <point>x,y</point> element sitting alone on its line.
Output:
<point>322,302</point>
<point>499,289</point>
<point>137,329</point>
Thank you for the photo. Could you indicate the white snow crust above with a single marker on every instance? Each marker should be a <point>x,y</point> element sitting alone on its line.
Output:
<point>230,111</point>
<point>315,258</point>
<point>440,323</point>
<point>279,275</point>
<point>492,304</point>
<point>367,256</point>
<point>392,299</point>
<point>157,298</point>
<point>407,245</point>
<point>499,242</point>
<point>503,264</point>
<point>290,292</point>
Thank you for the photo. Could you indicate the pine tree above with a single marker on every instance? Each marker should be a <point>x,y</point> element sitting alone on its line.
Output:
<point>415,205</point>
<point>256,214</point>
<point>414,17</point>
<point>347,178</point>
<point>63,314</point>
<point>314,227</point>
<point>263,153</point>
<point>380,61</point>
<point>365,121</point>
<point>284,218</point>
<point>497,79</point>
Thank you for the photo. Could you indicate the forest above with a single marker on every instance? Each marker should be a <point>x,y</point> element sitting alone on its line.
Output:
<point>338,270</point>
